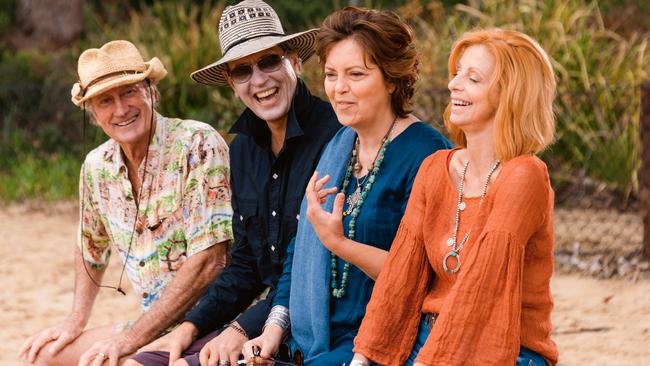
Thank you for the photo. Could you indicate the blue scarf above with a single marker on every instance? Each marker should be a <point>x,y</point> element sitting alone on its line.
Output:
<point>309,304</point>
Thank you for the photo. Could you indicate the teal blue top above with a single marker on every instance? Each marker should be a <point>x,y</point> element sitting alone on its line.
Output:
<point>376,225</point>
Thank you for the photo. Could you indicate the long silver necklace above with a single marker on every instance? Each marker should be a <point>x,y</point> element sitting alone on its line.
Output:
<point>353,199</point>
<point>355,208</point>
<point>356,196</point>
<point>460,206</point>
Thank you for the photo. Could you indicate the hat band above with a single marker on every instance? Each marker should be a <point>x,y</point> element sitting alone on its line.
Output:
<point>249,38</point>
<point>104,77</point>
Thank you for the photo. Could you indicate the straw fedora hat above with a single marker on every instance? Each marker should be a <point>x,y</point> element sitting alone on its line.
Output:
<point>246,28</point>
<point>115,64</point>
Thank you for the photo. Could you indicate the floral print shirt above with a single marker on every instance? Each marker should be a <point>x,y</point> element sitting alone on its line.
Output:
<point>184,205</point>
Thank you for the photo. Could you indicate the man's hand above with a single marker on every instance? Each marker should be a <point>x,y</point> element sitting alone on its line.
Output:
<point>175,342</point>
<point>111,350</point>
<point>226,346</point>
<point>61,335</point>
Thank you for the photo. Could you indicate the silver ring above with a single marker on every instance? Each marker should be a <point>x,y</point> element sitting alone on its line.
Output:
<point>101,354</point>
<point>224,363</point>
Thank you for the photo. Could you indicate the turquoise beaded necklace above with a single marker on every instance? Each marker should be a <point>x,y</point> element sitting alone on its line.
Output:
<point>355,201</point>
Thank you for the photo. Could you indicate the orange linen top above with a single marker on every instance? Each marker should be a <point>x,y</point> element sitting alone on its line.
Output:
<point>498,301</point>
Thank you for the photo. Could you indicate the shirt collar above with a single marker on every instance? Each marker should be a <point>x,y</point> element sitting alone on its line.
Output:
<point>116,158</point>
<point>250,124</point>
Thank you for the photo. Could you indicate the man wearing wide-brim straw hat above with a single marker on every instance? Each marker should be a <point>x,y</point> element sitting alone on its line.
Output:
<point>157,192</point>
<point>279,138</point>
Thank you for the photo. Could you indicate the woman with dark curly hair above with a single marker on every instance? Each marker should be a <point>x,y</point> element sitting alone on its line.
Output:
<point>370,66</point>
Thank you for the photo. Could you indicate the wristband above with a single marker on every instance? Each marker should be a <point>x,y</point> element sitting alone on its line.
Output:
<point>238,329</point>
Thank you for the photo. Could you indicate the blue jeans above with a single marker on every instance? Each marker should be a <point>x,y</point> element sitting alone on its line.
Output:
<point>526,356</point>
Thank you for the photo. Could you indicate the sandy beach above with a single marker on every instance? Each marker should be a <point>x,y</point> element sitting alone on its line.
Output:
<point>596,321</point>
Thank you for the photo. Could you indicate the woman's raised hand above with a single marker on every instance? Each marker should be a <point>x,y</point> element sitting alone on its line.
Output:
<point>328,226</point>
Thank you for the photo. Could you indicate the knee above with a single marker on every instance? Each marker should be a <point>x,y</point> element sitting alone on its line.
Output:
<point>180,362</point>
<point>130,362</point>
<point>43,359</point>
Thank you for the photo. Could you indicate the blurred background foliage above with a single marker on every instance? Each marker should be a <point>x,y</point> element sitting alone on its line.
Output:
<point>599,52</point>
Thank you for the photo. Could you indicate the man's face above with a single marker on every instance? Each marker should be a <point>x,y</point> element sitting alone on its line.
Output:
<point>269,91</point>
<point>124,113</point>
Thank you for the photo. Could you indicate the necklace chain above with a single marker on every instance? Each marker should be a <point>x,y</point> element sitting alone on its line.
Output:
<point>355,201</point>
<point>460,206</point>
<point>354,167</point>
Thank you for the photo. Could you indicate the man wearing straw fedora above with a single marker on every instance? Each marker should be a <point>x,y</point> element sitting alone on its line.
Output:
<point>279,138</point>
<point>157,192</point>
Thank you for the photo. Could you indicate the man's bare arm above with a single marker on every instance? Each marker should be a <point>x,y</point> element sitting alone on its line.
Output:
<point>179,296</point>
<point>85,292</point>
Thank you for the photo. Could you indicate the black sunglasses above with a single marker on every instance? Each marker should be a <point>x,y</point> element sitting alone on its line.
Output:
<point>267,64</point>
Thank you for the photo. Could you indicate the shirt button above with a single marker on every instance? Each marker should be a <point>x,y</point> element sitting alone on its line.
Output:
<point>273,213</point>
<point>241,218</point>
<point>275,175</point>
<point>298,217</point>
<point>273,248</point>
<point>141,263</point>
<point>144,295</point>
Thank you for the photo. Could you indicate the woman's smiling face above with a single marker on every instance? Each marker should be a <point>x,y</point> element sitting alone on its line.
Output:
<point>355,86</point>
<point>472,103</point>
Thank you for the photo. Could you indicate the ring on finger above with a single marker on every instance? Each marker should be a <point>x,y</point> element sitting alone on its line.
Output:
<point>101,354</point>
<point>224,363</point>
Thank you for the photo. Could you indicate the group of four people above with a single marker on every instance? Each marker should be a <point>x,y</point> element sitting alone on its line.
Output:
<point>358,234</point>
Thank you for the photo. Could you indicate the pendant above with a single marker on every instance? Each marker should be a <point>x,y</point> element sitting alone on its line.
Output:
<point>357,167</point>
<point>450,242</point>
<point>352,201</point>
<point>449,255</point>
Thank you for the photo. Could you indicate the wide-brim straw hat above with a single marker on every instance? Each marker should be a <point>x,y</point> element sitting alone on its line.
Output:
<point>246,28</point>
<point>115,64</point>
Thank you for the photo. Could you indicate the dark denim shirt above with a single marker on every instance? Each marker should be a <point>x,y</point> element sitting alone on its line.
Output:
<point>266,195</point>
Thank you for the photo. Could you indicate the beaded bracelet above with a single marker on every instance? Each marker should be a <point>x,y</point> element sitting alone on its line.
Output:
<point>238,329</point>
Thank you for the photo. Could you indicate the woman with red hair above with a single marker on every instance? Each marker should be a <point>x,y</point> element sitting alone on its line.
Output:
<point>467,279</point>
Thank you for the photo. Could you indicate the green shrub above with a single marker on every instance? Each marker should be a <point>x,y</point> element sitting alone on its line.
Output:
<point>7,10</point>
<point>184,37</point>
<point>599,74</point>
<point>598,71</point>
<point>48,177</point>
